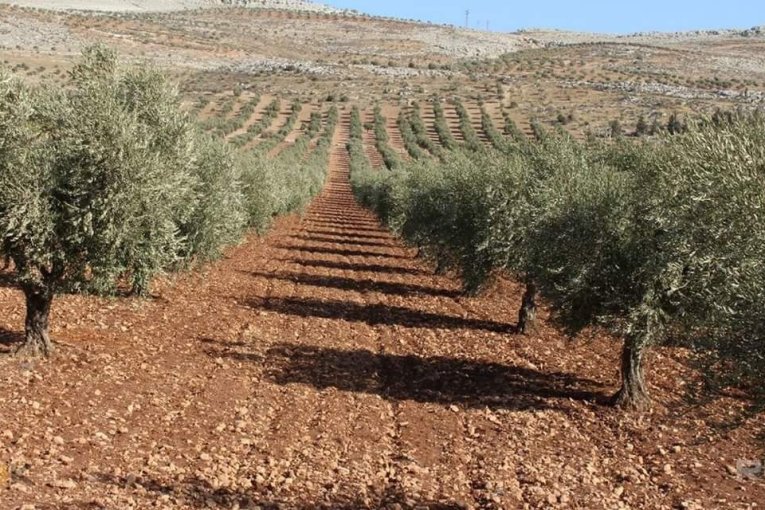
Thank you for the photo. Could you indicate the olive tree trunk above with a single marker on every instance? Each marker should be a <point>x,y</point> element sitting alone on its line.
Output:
<point>37,340</point>
<point>527,315</point>
<point>633,394</point>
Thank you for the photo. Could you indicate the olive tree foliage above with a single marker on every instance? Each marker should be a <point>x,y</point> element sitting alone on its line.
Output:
<point>645,240</point>
<point>106,184</point>
<point>709,209</point>
<point>648,240</point>
<point>221,210</point>
<point>439,207</point>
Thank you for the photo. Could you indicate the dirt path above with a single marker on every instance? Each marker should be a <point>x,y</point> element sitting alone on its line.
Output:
<point>370,147</point>
<point>324,366</point>
<point>429,119</point>
<point>390,112</point>
<point>453,121</point>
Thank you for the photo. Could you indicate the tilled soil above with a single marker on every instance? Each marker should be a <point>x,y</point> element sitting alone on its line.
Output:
<point>325,366</point>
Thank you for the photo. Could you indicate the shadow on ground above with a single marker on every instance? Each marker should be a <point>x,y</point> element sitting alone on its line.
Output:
<point>340,251</point>
<point>375,314</point>
<point>10,340</point>
<point>350,266</point>
<point>348,227</point>
<point>349,236</point>
<point>439,380</point>
<point>379,243</point>
<point>357,284</point>
<point>194,492</point>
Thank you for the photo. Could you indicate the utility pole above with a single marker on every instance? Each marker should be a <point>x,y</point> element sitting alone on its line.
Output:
<point>467,19</point>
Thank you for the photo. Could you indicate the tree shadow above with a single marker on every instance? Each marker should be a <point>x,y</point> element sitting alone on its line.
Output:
<point>348,266</point>
<point>375,314</point>
<point>344,240</point>
<point>351,226</point>
<point>328,211</point>
<point>348,226</point>
<point>436,379</point>
<point>349,235</point>
<point>9,340</point>
<point>195,492</point>
<point>341,252</point>
<point>341,218</point>
<point>357,284</point>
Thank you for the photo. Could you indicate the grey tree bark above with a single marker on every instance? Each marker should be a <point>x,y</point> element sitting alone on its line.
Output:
<point>527,315</point>
<point>633,394</point>
<point>37,340</point>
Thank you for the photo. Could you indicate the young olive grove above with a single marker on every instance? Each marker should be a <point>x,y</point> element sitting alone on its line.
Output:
<point>107,183</point>
<point>654,240</point>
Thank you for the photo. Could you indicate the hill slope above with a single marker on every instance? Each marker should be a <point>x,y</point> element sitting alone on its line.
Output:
<point>166,5</point>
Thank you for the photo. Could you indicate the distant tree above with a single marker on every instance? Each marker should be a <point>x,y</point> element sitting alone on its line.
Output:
<point>721,117</point>
<point>675,125</point>
<point>615,129</point>
<point>641,128</point>
<point>655,127</point>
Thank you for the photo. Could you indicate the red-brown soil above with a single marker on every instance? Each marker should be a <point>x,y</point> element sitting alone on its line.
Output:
<point>370,147</point>
<point>396,142</point>
<point>325,366</point>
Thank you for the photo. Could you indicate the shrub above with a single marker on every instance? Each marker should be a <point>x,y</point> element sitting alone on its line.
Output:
<point>615,129</point>
<point>421,132</point>
<point>220,215</point>
<point>675,124</point>
<point>511,128</point>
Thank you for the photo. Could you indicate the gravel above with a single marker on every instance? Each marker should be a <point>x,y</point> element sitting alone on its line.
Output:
<point>24,33</point>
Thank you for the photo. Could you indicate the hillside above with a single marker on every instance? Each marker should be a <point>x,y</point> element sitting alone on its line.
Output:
<point>167,5</point>
<point>589,79</point>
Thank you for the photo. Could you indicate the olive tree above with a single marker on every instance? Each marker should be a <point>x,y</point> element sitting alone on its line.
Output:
<point>697,251</point>
<point>709,210</point>
<point>97,185</point>
<point>661,238</point>
<point>220,213</point>
<point>517,202</point>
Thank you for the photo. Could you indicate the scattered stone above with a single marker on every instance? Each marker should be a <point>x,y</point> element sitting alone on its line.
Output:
<point>64,484</point>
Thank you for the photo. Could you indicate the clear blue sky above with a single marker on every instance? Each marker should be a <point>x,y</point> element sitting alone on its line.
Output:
<point>615,16</point>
